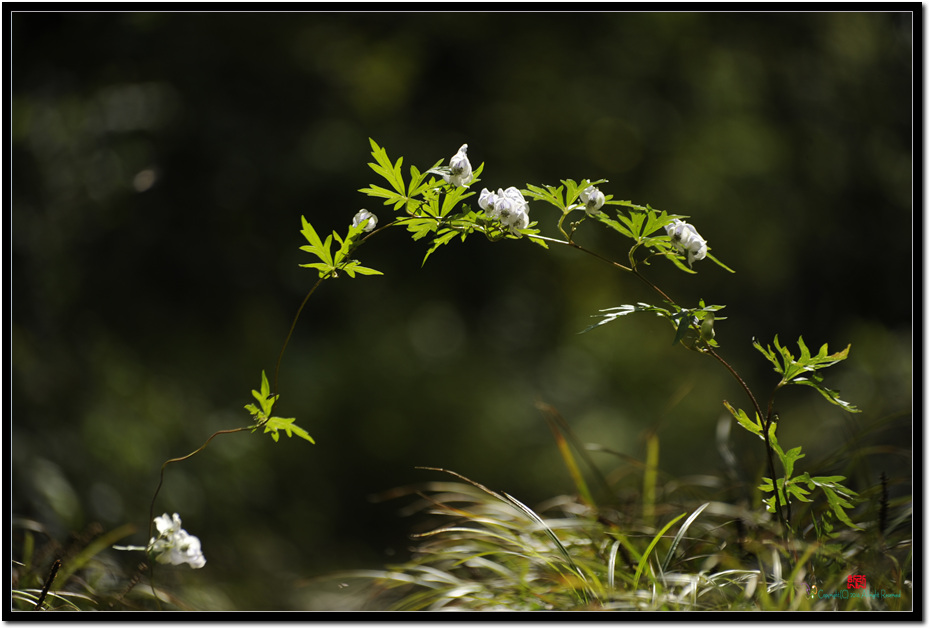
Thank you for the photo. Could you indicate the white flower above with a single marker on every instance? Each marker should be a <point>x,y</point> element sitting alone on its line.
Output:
<point>514,211</point>
<point>697,250</point>
<point>174,545</point>
<point>687,240</point>
<point>508,206</point>
<point>593,200</point>
<point>515,196</point>
<point>460,169</point>
<point>168,526</point>
<point>361,216</point>
<point>487,200</point>
<point>519,220</point>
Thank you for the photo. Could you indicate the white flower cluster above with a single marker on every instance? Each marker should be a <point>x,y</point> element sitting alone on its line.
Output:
<point>508,206</point>
<point>687,240</point>
<point>361,216</point>
<point>174,545</point>
<point>460,174</point>
<point>593,200</point>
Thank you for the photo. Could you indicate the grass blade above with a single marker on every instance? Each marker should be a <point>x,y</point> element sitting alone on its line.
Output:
<point>681,534</point>
<point>652,544</point>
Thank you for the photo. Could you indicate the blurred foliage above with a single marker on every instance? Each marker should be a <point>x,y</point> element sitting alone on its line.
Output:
<point>161,163</point>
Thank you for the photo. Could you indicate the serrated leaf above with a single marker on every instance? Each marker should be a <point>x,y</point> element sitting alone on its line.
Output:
<point>718,262</point>
<point>837,504</point>
<point>274,424</point>
<point>384,167</point>
<point>789,458</point>
<point>799,492</point>
<point>654,221</point>
<point>391,197</point>
<point>324,269</point>
<point>444,237</point>
<point>614,225</point>
<point>548,194</point>
<point>755,427</point>
<point>620,311</point>
<point>827,480</point>
<point>310,233</point>
<point>420,227</point>
<point>354,267</point>
<point>677,260</point>
<point>829,394</point>
<point>773,440</point>
<point>768,353</point>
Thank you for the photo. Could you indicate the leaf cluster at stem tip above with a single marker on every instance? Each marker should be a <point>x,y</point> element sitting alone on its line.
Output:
<point>262,417</point>
<point>804,369</point>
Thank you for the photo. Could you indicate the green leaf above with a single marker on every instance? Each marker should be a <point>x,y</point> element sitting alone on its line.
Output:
<point>452,198</point>
<point>829,480</point>
<point>768,353</point>
<point>420,227</point>
<point>384,167</point>
<point>263,398</point>
<point>788,459</point>
<point>324,269</point>
<point>830,395</point>
<point>539,241</point>
<point>617,227</point>
<point>802,370</point>
<point>767,487</point>
<point>318,248</point>
<point>390,197</point>
<point>755,427</point>
<point>773,441</point>
<point>635,222</point>
<point>445,236</point>
<point>719,263</point>
<point>655,222</point>
<point>676,258</point>
<point>354,267</point>
<point>261,416</point>
<point>684,325</point>
<point>837,504</point>
<point>620,311</point>
<point>274,424</point>
<point>549,194</point>
<point>799,492</point>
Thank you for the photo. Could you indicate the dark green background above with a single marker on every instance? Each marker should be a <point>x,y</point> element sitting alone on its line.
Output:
<point>142,315</point>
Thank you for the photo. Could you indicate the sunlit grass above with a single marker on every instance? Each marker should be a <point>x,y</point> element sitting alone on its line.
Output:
<point>488,551</point>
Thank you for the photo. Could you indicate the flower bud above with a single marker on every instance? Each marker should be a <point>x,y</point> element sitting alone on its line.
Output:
<point>487,200</point>
<point>460,169</point>
<point>361,216</point>
<point>593,200</point>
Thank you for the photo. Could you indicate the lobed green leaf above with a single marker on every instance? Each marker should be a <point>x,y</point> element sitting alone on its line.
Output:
<point>755,427</point>
<point>274,424</point>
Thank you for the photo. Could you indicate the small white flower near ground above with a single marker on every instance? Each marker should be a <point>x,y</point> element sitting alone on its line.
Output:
<point>174,545</point>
